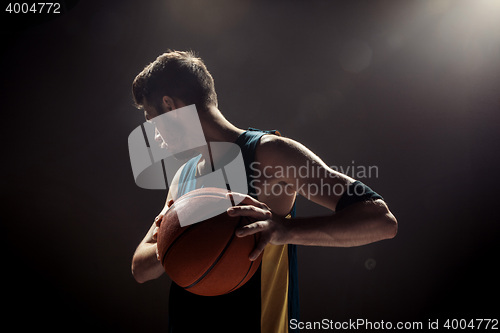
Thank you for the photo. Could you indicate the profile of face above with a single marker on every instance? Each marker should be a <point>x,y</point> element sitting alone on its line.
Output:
<point>179,130</point>
<point>179,136</point>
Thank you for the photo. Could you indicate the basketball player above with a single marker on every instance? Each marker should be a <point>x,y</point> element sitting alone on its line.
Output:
<point>269,299</point>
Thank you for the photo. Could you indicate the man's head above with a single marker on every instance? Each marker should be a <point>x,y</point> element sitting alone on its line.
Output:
<point>178,75</point>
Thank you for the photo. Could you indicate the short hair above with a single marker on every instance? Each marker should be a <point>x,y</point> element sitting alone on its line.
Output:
<point>177,74</point>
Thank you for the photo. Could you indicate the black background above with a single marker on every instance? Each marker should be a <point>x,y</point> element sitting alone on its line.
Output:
<point>425,111</point>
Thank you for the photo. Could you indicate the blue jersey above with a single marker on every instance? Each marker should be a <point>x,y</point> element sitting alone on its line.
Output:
<point>266,302</point>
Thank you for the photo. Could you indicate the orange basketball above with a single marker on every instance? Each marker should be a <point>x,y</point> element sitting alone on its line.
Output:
<point>205,258</point>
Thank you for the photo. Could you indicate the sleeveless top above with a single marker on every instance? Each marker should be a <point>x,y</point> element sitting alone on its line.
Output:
<point>266,302</point>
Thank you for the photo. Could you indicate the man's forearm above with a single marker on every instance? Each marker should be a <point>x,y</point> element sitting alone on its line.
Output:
<point>358,224</point>
<point>145,265</point>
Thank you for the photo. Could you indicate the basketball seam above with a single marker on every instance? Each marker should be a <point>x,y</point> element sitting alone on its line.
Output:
<point>175,241</point>
<point>216,261</point>
<point>191,194</point>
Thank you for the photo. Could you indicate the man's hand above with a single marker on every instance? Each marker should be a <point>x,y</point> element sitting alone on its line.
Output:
<point>272,228</point>
<point>158,220</point>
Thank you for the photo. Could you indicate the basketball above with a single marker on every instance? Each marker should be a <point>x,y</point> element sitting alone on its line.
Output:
<point>205,258</point>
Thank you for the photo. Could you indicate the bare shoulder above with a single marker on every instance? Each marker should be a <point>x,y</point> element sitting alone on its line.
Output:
<point>274,149</point>
<point>270,141</point>
<point>275,144</point>
<point>281,152</point>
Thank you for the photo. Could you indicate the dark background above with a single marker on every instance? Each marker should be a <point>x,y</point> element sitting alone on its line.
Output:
<point>412,87</point>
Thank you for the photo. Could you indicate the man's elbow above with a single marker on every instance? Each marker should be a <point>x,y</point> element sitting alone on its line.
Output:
<point>391,225</point>
<point>388,222</point>
<point>137,273</point>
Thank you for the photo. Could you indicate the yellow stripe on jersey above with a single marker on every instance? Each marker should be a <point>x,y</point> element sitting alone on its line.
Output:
<point>274,289</point>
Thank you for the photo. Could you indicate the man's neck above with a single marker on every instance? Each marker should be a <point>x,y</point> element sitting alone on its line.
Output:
<point>218,130</point>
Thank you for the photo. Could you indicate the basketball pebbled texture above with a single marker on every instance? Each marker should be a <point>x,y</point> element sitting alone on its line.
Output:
<point>205,258</point>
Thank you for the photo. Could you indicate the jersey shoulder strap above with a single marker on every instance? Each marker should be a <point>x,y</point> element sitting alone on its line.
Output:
<point>248,142</point>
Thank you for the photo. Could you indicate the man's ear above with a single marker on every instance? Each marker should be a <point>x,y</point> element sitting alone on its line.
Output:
<point>171,103</point>
<point>168,103</point>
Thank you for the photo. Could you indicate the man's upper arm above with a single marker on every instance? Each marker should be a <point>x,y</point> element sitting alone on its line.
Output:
<point>304,171</point>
